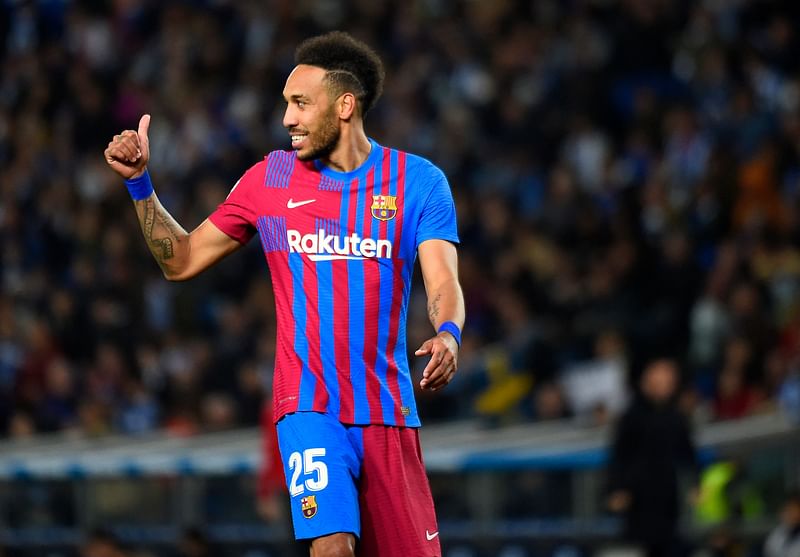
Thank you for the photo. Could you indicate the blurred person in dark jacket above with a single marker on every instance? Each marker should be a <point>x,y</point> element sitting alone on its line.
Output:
<point>784,540</point>
<point>652,444</point>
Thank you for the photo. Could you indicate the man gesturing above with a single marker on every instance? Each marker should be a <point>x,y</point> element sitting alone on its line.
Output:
<point>341,220</point>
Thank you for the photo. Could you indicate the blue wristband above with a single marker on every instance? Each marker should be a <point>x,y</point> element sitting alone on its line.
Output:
<point>452,328</point>
<point>141,187</point>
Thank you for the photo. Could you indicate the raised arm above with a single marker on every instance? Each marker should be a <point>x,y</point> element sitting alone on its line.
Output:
<point>439,262</point>
<point>181,255</point>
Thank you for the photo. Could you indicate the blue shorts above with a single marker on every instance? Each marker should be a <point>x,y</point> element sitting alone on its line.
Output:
<point>366,480</point>
<point>322,463</point>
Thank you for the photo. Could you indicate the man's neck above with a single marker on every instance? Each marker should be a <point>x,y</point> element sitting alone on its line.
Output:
<point>351,152</point>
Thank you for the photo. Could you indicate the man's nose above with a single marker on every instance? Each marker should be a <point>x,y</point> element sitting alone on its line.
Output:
<point>289,117</point>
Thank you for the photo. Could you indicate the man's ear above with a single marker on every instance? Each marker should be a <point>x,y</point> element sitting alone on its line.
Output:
<point>347,106</point>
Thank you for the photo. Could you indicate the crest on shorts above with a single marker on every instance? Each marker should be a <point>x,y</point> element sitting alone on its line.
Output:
<point>309,506</point>
<point>384,207</point>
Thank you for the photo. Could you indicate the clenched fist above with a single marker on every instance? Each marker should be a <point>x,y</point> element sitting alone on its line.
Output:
<point>127,154</point>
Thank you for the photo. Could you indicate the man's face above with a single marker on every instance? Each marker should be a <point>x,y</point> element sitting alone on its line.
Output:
<point>790,514</point>
<point>310,114</point>
<point>101,549</point>
<point>660,381</point>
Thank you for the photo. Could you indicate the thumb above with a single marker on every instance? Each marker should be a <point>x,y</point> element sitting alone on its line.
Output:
<point>144,125</point>
<point>424,349</point>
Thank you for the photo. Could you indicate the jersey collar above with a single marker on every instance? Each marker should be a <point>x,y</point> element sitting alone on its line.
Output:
<point>375,154</point>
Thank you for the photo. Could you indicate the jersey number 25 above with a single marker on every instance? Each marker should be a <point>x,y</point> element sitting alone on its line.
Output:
<point>315,471</point>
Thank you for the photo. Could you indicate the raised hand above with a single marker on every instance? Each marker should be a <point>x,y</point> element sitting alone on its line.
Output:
<point>127,154</point>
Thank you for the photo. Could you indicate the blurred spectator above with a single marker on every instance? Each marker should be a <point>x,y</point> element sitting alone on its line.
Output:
<point>194,543</point>
<point>597,389</point>
<point>139,411</point>
<point>218,412</point>
<point>789,396</point>
<point>57,409</point>
<point>784,540</point>
<point>271,487</point>
<point>735,398</point>
<point>549,403</point>
<point>101,543</point>
<point>21,425</point>
<point>94,418</point>
<point>710,324</point>
<point>727,494</point>
<point>722,541</point>
<point>652,445</point>
<point>250,395</point>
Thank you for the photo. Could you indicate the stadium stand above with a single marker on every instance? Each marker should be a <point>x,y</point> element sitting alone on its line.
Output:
<point>627,175</point>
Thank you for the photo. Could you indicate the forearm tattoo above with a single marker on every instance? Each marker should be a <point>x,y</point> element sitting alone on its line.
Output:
<point>161,248</point>
<point>433,308</point>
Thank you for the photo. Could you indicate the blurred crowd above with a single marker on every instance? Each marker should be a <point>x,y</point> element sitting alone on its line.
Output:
<point>626,173</point>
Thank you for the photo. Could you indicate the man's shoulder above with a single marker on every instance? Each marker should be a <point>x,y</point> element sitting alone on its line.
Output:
<point>277,167</point>
<point>268,161</point>
<point>279,159</point>
<point>274,168</point>
<point>420,162</point>
<point>420,168</point>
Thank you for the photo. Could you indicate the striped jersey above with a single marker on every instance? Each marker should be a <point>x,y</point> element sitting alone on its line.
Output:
<point>341,248</point>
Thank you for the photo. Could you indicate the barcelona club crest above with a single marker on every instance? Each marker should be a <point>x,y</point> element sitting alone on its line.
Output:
<point>384,207</point>
<point>309,506</point>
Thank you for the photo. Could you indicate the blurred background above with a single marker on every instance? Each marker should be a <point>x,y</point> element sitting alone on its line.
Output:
<point>627,178</point>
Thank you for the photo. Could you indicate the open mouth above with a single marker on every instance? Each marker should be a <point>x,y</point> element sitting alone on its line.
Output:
<point>298,140</point>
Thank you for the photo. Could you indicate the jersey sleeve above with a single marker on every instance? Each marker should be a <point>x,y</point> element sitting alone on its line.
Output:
<point>236,216</point>
<point>438,216</point>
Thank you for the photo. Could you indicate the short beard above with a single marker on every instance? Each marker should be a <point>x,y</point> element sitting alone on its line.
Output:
<point>327,138</point>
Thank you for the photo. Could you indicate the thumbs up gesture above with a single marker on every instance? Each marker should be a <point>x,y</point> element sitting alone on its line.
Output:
<point>127,154</point>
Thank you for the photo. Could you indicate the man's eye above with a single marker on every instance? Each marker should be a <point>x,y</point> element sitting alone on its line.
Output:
<point>301,104</point>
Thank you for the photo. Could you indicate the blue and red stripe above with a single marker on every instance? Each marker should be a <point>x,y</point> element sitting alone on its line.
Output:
<point>371,311</point>
<point>308,382</point>
<point>326,334</point>
<point>288,366</point>
<point>396,347</point>
<point>341,308</point>
<point>390,397</point>
<point>311,283</point>
<point>355,275</point>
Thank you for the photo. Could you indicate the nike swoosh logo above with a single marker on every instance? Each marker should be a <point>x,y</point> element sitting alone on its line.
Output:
<point>431,536</point>
<point>294,204</point>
